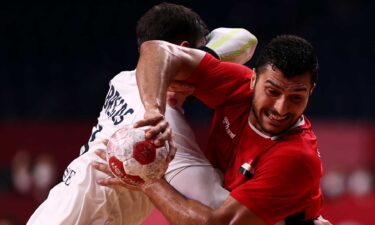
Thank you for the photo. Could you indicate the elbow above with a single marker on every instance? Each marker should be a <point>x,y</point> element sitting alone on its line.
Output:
<point>247,36</point>
<point>250,46</point>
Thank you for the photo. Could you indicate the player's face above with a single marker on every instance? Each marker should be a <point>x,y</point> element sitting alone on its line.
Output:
<point>278,102</point>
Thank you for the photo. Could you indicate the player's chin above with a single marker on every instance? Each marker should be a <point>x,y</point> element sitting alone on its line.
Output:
<point>271,130</point>
<point>275,128</point>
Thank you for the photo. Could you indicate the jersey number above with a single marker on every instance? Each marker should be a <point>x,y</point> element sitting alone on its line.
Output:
<point>85,148</point>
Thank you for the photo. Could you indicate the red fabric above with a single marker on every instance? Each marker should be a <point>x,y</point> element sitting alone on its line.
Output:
<point>217,82</point>
<point>288,171</point>
<point>286,179</point>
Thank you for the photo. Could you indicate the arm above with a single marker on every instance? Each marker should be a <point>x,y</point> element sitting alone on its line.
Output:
<point>227,44</point>
<point>159,64</point>
<point>180,210</point>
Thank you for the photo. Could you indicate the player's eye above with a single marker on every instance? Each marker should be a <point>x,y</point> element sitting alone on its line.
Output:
<point>296,98</point>
<point>272,92</point>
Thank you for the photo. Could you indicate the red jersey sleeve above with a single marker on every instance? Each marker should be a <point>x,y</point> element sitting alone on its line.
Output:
<point>219,82</point>
<point>283,185</point>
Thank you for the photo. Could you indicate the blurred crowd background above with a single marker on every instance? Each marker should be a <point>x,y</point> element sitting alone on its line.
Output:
<point>57,57</point>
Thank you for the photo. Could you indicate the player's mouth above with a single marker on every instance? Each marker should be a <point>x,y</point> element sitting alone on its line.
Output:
<point>275,119</point>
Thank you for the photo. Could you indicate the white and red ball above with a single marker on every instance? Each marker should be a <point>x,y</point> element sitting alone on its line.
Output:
<point>134,159</point>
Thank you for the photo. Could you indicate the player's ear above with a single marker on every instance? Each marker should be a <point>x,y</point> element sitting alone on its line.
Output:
<point>185,44</point>
<point>312,88</point>
<point>253,80</point>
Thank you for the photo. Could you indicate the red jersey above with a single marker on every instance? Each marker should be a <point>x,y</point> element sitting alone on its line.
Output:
<point>286,169</point>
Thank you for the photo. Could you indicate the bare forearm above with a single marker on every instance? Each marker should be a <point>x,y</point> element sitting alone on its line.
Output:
<point>153,74</point>
<point>180,210</point>
<point>176,208</point>
<point>159,64</point>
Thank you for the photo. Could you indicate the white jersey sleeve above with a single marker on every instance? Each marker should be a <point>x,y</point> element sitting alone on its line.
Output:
<point>232,44</point>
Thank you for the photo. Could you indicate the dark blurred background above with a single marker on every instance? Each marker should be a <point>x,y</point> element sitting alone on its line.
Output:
<point>57,57</point>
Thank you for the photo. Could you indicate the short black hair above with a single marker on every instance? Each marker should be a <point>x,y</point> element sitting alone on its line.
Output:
<point>292,55</point>
<point>172,23</point>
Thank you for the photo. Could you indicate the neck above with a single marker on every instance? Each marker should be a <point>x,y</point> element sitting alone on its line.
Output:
<point>255,125</point>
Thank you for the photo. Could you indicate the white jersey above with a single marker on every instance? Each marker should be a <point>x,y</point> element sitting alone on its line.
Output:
<point>123,106</point>
<point>78,200</point>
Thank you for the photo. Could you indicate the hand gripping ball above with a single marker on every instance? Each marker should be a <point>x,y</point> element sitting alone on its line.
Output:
<point>134,159</point>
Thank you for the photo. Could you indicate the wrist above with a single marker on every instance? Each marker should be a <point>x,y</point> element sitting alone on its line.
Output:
<point>154,107</point>
<point>150,185</point>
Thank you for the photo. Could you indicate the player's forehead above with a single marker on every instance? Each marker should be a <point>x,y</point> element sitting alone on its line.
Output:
<point>274,77</point>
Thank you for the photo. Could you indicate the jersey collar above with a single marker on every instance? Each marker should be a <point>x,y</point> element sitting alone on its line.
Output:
<point>300,122</point>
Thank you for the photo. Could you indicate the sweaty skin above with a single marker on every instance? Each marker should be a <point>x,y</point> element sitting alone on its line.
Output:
<point>161,63</point>
<point>278,102</point>
<point>180,210</point>
<point>171,62</point>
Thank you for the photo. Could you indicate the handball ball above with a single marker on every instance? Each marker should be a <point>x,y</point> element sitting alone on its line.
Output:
<point>134,159</point>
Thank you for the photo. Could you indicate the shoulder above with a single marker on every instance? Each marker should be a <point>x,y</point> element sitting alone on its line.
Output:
<point>214,67</point>
<point>125,77</point>
<point>300,142</point>
<point>297,154</point>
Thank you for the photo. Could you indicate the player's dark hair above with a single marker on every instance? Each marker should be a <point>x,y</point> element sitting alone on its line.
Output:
<point>172,23</point>
<point>292,55</point>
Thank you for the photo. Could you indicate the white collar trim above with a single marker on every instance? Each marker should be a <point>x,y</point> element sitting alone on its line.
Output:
<point>300,122</point>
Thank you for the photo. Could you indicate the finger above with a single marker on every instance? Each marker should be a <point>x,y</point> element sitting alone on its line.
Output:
<point>109,182</point>
<point>101,154</point>
<point>317,222</point>
<point>163,137</point>
<point>148,121</point>
<point>172,102</point>
<point>323,221</point>
<point>113,182</point>
<point>154,132</point>
<point>177,86</point>
<point>141,123</point>
<point>102,168</point>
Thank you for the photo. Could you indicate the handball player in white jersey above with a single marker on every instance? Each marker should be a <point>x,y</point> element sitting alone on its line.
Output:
<point>77,199</point>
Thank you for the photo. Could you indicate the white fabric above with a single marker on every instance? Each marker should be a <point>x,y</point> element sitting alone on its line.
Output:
<point>200,183</point>
<point>78,200</point>
<point>232,44</point>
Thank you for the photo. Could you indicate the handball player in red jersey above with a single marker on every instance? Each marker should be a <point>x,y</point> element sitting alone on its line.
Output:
<point>259,139</point>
